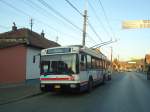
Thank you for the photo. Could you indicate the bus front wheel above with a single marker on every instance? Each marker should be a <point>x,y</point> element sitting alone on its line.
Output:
<point>90,85</point>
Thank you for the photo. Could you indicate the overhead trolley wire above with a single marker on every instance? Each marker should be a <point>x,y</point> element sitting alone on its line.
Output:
<point>22,12</point>
<point>106,17</point>
<point>58,14</point>
<point>89,23</point>
<point>10,5</point>
<point>98,19</point>
<point>4,27</point>
<point>74,7</point>
<point>26,14</point>
<point>89,36</point>
<point>35,5</point>
<point>45,12</point>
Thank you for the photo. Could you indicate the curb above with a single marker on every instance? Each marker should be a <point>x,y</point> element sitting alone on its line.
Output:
<point>21,98</point>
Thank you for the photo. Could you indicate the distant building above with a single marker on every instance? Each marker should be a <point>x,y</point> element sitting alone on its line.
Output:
<point>147,62</point>
<point>147,58</point>
<point>134,65</point>
<point>17,51</point>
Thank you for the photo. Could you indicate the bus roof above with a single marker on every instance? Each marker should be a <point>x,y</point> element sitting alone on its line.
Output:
<point>73,49</point>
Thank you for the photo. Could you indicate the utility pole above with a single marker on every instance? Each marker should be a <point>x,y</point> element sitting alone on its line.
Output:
<point>111,53</point>
<point>84,23</point>
<point>57,38</point>
<point>31,23</point>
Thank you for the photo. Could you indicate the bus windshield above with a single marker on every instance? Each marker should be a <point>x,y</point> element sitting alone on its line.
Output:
<point>58,64</point>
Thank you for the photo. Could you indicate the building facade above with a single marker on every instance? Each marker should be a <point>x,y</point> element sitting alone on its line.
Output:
<point>19,59</point>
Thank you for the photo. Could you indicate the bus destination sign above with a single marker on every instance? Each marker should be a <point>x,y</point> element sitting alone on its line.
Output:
<point>58,50</point>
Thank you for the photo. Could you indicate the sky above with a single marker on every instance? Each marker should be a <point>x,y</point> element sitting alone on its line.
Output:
<point>106,21</point>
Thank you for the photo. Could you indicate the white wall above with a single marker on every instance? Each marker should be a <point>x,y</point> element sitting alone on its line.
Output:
<point>32,69</point>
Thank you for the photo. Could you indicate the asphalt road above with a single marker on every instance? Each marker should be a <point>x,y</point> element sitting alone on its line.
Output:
<point>127,92</point>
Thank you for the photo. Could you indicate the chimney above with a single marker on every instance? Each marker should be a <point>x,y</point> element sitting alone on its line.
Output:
<point>14,28</point>
<point>42,34</point>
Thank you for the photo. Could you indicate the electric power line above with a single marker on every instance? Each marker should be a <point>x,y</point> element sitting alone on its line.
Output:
<point>58,14</point>
<point>106,17</point>
<point>44,12</point>
<point>22,12</point>
<point>35,5</point>
<point>90,25</point>
<point>98,19</point>
<point>89,36</point>
<point>74,7</point>
<point>4,27</point>
<point>8,4</point>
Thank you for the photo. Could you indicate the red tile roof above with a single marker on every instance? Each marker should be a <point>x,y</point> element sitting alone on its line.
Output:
<point>25,36</point>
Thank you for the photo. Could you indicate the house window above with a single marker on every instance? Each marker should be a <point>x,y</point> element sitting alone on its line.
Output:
<point>33,59</point>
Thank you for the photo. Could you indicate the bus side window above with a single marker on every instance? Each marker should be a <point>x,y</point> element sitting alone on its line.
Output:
<point>77,63</point>
<point>97,63</point>
<point>82,62</point>
<point>100,63</point>
<point>93,63</point>
<point>88,62</point>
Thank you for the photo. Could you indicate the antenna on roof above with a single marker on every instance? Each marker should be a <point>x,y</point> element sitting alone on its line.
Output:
<point>31,23</point>
<point>14,23</point>
<point>42,33</point>
<point>14,28</point>
<point>57,38</point>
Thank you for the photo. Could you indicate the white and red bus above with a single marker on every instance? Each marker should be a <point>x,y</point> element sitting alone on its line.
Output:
<point>73,67</point>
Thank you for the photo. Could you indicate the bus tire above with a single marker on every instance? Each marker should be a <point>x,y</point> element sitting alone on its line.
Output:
<point>90,85</point>
<point>109,77</point>
<point>104,78</point>
<point>43,89</point>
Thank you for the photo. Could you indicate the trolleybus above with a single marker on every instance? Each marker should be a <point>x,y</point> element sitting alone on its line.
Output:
<point>75,68</point>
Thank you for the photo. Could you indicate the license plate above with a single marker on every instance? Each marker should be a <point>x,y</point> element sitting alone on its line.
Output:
<point>57,86</point>
<point>42,85</point>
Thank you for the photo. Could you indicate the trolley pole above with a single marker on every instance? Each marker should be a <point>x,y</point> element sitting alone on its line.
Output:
<point>84,25</point>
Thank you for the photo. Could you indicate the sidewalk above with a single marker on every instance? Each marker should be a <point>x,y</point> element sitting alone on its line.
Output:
<point>10,93</point>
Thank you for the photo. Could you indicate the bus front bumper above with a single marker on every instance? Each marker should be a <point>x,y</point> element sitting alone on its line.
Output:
<point>60,87</point>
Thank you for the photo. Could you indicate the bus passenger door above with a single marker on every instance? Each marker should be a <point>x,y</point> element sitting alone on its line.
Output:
<point>82,66</point>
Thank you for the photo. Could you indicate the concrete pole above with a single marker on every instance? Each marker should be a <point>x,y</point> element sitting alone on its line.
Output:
<point>84,23</point>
